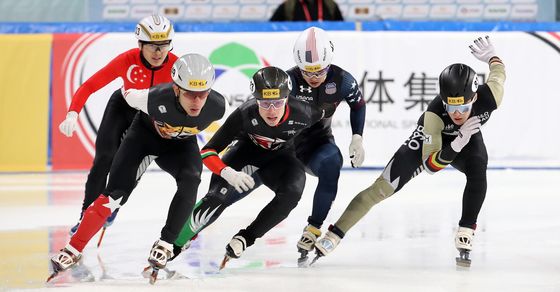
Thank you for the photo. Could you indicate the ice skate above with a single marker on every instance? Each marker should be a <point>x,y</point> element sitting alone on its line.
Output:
<point>325,245</point>
<point>306,244</point>
<point>170,274</point>
<point>234,249</point>
<point>160,253</point>
<point>64,260</point>
<point>463,243</point>
<point>108,223</point>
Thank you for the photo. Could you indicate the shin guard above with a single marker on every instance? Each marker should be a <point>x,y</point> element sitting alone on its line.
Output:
<point>94,218</point>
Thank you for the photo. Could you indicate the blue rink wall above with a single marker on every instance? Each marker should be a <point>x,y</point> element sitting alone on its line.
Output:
<point>387,25</point>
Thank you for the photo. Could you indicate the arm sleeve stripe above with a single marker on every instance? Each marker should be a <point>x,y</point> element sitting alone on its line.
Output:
<point>212,161</point>
<point>434,164</point>
<point>207,152</point>
<point>435,161</point>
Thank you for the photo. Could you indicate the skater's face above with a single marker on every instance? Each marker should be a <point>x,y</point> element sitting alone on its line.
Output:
<point>315,79</point>
<point>192,101</point>
<point>460,114</point>
<point>155,52</point>
<point>272,111</point>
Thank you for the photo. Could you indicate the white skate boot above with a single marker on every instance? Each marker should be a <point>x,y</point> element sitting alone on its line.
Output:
<point>306,244</point>
<point>234,249</point>
<point>159,255</point>
<point>65,259</point>
<point>463,243</point>
<point>326,245</point>
<point>170,274</point>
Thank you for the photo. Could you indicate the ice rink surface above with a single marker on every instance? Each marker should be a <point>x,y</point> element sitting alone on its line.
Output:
<point>403,244</point>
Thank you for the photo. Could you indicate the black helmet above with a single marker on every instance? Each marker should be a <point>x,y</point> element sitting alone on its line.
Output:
<point>271,83</point>
<point>457,84</point>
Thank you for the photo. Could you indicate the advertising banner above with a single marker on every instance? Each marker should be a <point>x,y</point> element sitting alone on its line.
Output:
<point>396,71</point>
<point>24,109</point>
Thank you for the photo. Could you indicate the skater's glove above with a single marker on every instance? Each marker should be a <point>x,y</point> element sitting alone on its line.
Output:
<point>469,128</point>
<point>238,179</point>
<point>68,126</point>
<point>356,150</point>
<point>484,50</point>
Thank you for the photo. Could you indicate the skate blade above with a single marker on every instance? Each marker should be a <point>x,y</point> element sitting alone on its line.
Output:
<point>55,270</point>
<point>465,263</point>
<point>171,275</point>
<point>52,276</point>
<point>302,260</point>
<point>146,272</point>
<point>224,262</point>
<point>174,275</point>
<point>101,236</point>
<point>315,259</point>
<point>153,276</point>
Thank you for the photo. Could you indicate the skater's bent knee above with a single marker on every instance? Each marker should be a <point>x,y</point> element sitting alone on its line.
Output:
<point>377,192</point>
<point>188,180</point>
<point>333,161</point>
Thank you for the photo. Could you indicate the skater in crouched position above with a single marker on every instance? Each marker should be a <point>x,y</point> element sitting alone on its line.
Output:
<point>171,114</point>
<point>262,131</point>
<point>149,64</point>
<point>447,133</point>
<point>325,86</point>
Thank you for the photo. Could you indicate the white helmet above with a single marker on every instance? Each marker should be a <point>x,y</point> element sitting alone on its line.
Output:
<point>193,72</point>
<point>154,28</point>
<point>313,50</point>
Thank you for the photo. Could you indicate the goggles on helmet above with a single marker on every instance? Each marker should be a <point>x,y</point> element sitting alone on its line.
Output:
<point>152,48</point>
<point>193,94</point>
<point>275,103</point>
<point>317,74</point>
<point>463,108</point>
